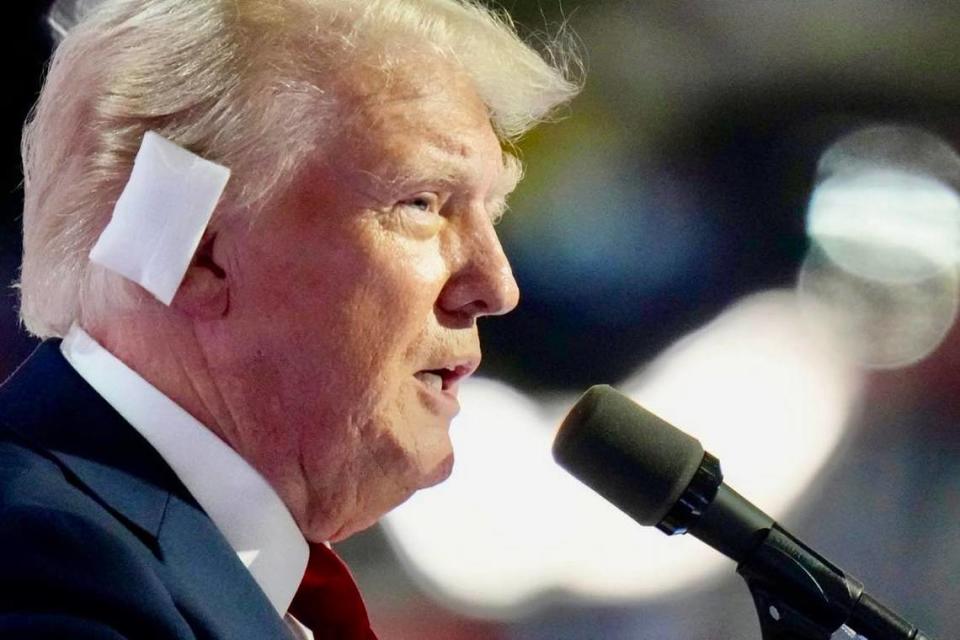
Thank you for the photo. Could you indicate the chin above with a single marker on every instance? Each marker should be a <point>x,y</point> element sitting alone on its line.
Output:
<point>439,473</point>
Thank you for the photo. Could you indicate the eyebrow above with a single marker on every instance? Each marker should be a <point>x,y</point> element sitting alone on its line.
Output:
<point>510,176</point>
<point>454,173</point>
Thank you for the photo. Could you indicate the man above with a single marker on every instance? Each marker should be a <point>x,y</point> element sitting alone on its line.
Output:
<point>163,468</point>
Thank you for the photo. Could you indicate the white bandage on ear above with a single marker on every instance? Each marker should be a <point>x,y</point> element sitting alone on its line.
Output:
<point>160,217</point>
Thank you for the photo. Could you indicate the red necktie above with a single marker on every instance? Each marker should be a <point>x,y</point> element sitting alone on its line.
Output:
<point>328,601</point>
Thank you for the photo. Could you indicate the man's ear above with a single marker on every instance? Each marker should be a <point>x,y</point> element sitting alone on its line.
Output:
<point>204,293</point>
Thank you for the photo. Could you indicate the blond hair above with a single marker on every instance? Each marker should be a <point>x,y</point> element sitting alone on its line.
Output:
<point>245,83</point>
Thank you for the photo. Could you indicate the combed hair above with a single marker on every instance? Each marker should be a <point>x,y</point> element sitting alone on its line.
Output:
<point>244,83</point>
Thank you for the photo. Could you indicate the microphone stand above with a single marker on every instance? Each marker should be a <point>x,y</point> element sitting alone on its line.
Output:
<point>801,596</point>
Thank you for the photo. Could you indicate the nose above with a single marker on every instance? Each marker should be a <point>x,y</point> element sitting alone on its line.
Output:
<point>481,282</point>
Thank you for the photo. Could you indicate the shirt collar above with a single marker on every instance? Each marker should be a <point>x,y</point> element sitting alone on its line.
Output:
<point>239,501</point>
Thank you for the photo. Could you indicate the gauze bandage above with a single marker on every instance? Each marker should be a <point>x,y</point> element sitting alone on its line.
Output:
<point>160,217</point>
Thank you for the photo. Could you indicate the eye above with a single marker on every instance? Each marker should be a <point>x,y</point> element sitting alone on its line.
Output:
<point>425,202</point>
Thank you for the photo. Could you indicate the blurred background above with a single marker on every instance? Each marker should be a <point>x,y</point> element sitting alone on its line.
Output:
<point>675,237</point>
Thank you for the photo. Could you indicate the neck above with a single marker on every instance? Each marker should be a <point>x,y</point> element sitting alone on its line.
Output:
<point>165,352</point>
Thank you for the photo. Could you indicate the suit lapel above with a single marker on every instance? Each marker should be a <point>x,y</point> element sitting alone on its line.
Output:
<point>212,579</point>
<point>47,404</point>
<point>53,410</point>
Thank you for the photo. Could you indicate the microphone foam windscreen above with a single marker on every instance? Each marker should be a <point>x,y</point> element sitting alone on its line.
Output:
<point>628,455</point>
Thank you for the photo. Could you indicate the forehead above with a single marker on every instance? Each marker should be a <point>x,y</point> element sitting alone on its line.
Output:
<point>408,78</point>
<point>423,111</point>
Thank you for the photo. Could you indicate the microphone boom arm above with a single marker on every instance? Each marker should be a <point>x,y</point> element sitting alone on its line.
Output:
<point>801,596</point>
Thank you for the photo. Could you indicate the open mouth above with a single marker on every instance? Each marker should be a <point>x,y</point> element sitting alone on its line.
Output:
<point>438,379</point>
<point>444,379</point>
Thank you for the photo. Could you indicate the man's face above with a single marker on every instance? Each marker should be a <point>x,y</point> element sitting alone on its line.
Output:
<point>353,305</point>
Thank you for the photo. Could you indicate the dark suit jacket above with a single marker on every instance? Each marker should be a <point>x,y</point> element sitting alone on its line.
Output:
<point>98,538</point>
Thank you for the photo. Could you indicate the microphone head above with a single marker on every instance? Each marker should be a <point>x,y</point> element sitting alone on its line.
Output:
<point>631,457</point>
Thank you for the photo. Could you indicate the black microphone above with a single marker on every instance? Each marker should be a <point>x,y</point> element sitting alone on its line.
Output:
<point>661,476</point>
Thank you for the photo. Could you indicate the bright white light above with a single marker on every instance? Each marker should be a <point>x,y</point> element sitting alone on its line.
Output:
<point>880,325</point>
<point>760,382</point>
<point>886,225</point>
<point>757,386</point>
<point>882,269</point>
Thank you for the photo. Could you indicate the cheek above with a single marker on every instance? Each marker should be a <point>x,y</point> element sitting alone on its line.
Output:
<point>393,304</point>
<point>428,268</point>
<point>397,271</point>
<point>380,270</point>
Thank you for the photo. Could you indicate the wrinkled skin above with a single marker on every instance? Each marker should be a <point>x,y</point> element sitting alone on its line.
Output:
<point>372,269</point>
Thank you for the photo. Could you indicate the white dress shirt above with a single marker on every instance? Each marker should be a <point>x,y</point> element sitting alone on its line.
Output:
<point>243,506</point>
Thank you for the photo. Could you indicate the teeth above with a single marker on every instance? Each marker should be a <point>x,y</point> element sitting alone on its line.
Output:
<point>431,379</point>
